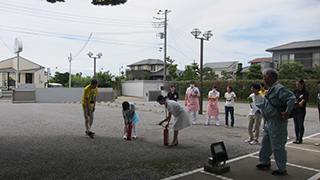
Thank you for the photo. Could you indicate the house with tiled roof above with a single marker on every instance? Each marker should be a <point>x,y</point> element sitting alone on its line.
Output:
<point>154,67</point>
<point>225,66</point>
<point>265,62</point>
<point>305,52</point>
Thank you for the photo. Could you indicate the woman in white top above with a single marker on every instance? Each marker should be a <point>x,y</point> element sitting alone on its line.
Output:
<point>181,119</point>
<point>213,108</point>
<point>230,99</point>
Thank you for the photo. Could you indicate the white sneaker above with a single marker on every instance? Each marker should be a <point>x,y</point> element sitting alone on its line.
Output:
<point>253,142</point>
<point>194,123</point>
<point>207,124</point>
<point>248,141</point>
<point>124,137</point>
<point>134,137</point>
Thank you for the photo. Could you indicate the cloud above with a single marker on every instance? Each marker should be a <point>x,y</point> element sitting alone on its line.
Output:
<point>124,34</point>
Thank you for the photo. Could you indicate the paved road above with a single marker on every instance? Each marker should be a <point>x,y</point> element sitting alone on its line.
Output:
<point>46,141</point>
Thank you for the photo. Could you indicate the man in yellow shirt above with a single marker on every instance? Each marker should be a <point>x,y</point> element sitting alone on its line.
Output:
<point>263,89</point>
<point>88,105</point>
<point>263,92</point>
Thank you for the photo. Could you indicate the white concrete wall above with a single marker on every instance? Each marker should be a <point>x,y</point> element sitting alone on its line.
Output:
<point>140,88</point>
<point>57,95</point>
<point>132,88</point>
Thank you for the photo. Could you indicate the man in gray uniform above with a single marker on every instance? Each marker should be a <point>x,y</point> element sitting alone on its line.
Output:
<point>275,130</point>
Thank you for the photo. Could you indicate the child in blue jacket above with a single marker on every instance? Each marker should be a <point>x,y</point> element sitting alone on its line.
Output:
<point>130,117</point>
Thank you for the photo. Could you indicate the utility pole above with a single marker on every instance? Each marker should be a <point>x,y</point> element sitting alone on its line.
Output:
<point>70,59</point>
<point>165,46</point>
<point>164,36</point>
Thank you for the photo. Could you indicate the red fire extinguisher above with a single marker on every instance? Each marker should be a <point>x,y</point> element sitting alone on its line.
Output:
<point>129,132</point>
<point>166,136</point>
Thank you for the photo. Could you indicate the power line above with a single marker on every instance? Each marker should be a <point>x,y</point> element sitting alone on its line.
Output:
<point>6,45</point>
<point>77,54</point>
<point>69,17</point>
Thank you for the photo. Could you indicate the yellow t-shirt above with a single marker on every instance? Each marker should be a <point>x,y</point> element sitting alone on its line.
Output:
<point>89,93</point>
<point>263,93</point>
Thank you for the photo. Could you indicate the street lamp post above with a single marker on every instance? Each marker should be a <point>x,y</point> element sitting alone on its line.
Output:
<point>206,35</point>
<point>90,54</point>
<point>120,67</point>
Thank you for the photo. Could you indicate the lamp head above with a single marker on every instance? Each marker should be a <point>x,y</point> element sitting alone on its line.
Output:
<point>195,32</point>
<point>99,55</point>
<point>207,34</point>
<point>90,54</point>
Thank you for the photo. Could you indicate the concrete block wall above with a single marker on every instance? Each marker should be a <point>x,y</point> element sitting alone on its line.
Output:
<point>58,95</point>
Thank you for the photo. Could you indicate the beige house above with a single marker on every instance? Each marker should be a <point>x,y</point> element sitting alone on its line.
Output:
<point>220,67</point>
<point>30,73</point>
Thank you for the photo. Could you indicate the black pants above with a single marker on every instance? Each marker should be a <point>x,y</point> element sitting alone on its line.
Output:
<point>299,124</point>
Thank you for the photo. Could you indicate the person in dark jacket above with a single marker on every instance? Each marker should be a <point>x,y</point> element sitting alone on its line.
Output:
<point>302,97</point>
<point>318,100</point>
<point>173,95</point>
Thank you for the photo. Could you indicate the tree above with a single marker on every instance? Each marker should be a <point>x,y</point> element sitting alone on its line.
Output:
<point>146,76</point>
<point>239,72</point>
<point>195,68</point>
<point>172,69</point>
<point>315,72</point>
<point>76,80</point>
<point>85,81</point>
<point>291,70</point>
<point>209,74</point>
<point>130,77</point>
<point>255,72</point>
<point>98,2</point>
<point>62,78</point>
<point>226,75</point>
<point>104,79</point>
<point>191,72</point>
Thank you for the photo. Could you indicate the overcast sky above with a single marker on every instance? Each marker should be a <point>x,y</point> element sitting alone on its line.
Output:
<point>124,34</point>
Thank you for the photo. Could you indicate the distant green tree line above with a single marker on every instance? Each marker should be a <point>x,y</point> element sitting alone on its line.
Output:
<point>242,87</point>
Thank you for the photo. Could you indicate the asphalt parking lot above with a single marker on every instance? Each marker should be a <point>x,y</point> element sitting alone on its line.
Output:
<point>46,141</point>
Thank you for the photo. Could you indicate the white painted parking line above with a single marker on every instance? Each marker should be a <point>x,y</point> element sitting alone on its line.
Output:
<point>304,149</point>
<point>315,177</point>
<point>303,167</point>
<point>255,155</point>
<point>217,176</point>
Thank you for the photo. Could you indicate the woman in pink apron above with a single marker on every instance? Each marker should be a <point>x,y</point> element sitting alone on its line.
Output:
<point>192,101</point>
<point>213,108</point>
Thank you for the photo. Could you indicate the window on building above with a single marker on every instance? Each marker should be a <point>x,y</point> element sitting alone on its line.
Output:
<point>304,58</point>
<point>153,67</point>
<point>132,67</point>
<point>284,58</point>
<point>315,59</point>
<point>291,57</point>
<point>140,67</point>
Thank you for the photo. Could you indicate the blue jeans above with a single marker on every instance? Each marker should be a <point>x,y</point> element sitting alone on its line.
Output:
<point>228,109</point>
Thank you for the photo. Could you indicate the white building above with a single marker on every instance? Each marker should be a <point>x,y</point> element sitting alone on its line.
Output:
<point>30,73</point>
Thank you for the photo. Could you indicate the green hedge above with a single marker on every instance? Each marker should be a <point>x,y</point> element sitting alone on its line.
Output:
<point>241,87</point>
